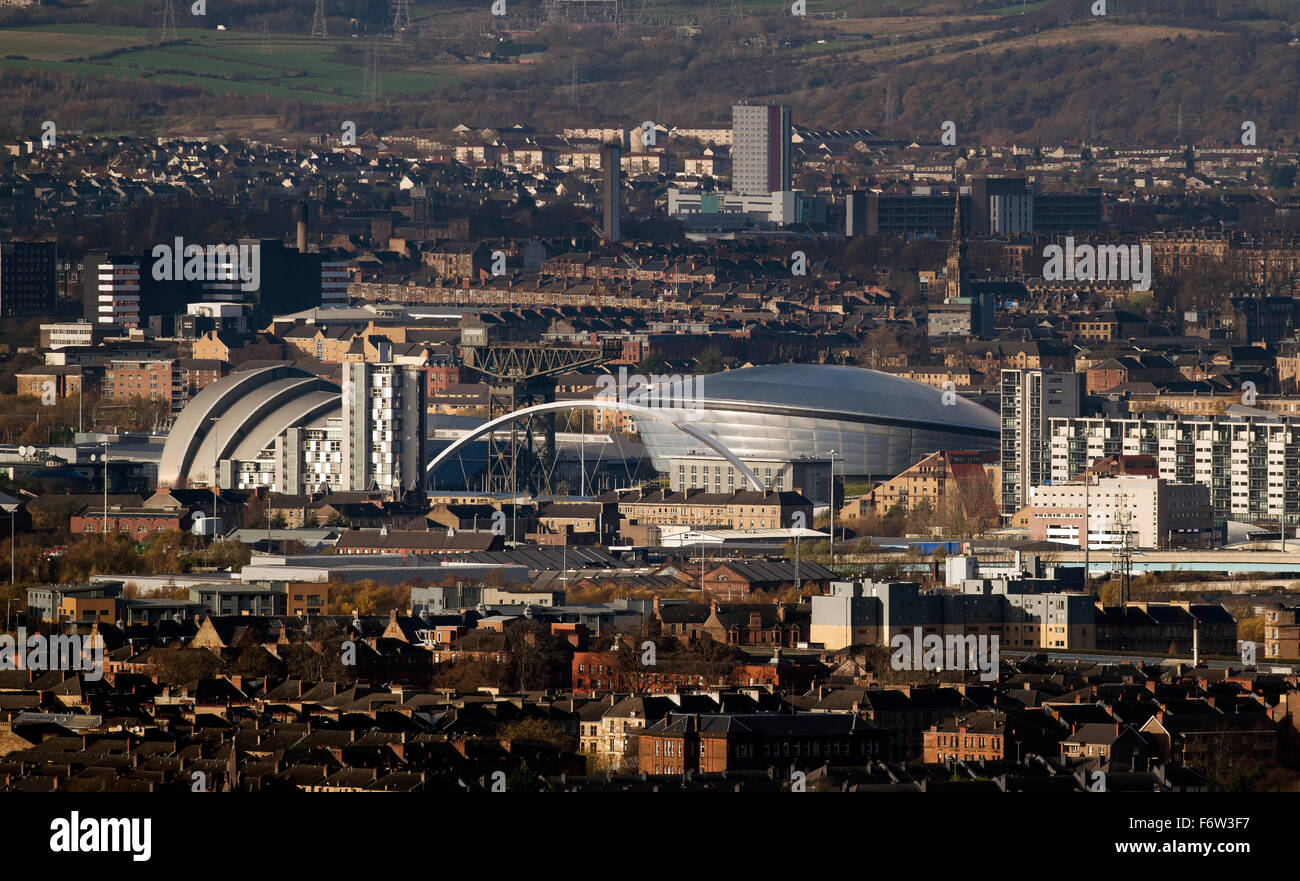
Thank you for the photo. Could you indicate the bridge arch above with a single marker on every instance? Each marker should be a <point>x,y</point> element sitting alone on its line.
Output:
<point>659,414</point>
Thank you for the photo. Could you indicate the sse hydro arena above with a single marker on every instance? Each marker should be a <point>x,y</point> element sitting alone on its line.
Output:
<point>877,424</point>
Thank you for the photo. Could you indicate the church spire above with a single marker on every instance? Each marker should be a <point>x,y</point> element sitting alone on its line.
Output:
<point>958,233</point>
<point>955,270</point>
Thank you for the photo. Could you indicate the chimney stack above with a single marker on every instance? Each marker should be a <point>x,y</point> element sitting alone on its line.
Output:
<point>302,227</point>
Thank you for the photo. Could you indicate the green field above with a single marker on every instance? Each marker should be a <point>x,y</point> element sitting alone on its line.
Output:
<point>220,62</point>
<point>1015,8</point>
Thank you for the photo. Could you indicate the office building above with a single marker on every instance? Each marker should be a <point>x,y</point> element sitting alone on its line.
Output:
<point>112,290</point>
<point>1155,513</point>
<point>334,278</point>
<point>28,278</point>
<point>286,280</point>
<point>122,289</point>
<point>994,206</point>
<point>725,211</point>
<point>810,476</point>
<point>1003,206</point>
<point>58,334</point>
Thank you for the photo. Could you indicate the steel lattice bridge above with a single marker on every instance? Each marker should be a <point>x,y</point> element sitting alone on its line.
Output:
<point>668,415</point>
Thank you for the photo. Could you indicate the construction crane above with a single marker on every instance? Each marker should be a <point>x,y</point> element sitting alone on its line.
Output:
<point>518,375</point>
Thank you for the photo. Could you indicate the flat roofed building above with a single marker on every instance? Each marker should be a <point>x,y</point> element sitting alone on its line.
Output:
<point>810,476</point>
<point>1156,513</point>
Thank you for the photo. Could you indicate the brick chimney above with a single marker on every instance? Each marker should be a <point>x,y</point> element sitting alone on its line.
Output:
<point>780,611</point>
<point>656,606</point>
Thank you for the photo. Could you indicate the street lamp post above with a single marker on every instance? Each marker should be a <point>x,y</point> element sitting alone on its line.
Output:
<point>1087,532</point>
<point>833,452</point>
<point>103,457</point>
<point>796,563</point>
<point>13,515</point>
<point>216,453</point>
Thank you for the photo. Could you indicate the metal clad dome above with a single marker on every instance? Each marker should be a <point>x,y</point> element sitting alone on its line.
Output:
<point>852,390</point>
<point>878,424</point>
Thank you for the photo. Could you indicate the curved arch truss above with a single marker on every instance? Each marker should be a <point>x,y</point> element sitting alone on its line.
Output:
<point>659,414</point>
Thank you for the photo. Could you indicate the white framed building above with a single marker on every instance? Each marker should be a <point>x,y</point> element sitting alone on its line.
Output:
<point>1247,462</point>
<point>113,287</point>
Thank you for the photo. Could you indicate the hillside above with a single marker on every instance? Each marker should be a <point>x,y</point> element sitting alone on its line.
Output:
<point>1046,70</point>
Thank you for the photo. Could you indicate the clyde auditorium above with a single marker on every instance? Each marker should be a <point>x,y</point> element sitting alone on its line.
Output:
<point>878,424</point>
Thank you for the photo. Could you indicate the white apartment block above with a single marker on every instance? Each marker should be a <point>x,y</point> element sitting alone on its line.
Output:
<point>760,155</point>
<point>382,426</point>
<point>1247,463</point>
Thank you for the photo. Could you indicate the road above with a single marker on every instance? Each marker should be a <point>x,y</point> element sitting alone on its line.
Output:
<point>1101,658</point>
